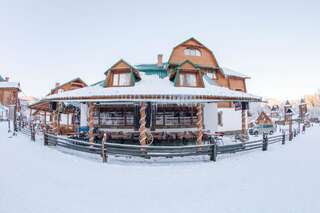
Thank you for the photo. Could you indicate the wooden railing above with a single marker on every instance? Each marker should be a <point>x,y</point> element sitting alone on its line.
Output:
<point>212,149</point>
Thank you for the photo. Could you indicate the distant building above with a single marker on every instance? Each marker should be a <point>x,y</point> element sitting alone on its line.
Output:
<point>275,111</point>
<point>9,92</point>
<point>42,111</point>
<point>263,119</point>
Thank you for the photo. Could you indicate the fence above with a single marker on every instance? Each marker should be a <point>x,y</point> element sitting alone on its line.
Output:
<point>212,150</point>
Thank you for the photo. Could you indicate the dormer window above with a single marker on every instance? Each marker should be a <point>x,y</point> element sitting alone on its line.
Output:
<point>188,79</point>
<point>192,52</point>
<point>121,79</point>
<point>121,74</point>
<point>212,75</point>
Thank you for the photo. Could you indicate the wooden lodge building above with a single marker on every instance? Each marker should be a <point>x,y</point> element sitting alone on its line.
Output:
<point>67,118</point>
<point>8,92</point>
<point>264,119</point>
<point>179,100</point>
<point>9,98</point>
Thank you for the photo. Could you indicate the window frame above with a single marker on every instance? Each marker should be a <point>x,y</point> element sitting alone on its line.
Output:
<point>189,51</point>
<point>185,78</point>
<point>213,75</point>
<point>118,74</point>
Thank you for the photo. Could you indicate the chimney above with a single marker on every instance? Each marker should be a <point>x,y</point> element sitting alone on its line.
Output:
<point>159,62</point>
<point>57,84</point>
<point>7,79</point>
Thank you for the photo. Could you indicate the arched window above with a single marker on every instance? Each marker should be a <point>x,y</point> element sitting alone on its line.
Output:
<point>192,52</point>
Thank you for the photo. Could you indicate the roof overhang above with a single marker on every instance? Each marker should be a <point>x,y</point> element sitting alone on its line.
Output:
<point>155,98</point>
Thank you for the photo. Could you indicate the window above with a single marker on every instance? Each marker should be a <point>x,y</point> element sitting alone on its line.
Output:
<point>173,116</point>
<point>192,52</point>
<point>121,79</point>
<point>115,117</point>
<point>188,79</point>
<point>212,75</point>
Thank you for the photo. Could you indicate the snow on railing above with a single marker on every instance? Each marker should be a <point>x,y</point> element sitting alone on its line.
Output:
<point>104,148</point>
<point>145,151</point>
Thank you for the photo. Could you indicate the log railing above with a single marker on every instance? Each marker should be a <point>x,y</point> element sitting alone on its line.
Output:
<point>212,149</point>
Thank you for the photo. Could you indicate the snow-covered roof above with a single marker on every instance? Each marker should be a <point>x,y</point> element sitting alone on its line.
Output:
<point>153,88</point>
<point>230,72</point>
<point>5,84</point>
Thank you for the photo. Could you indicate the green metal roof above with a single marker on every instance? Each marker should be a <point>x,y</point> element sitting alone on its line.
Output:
<point>153,69</point>
<point>100,83</point>
<point>148,69</point>
<point>1,79</point>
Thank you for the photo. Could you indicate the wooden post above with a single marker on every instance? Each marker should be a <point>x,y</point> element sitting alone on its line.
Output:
<point>213,156</point>
<point>67,120</point>
<point>142,128</point>
<point>91,124</point>
<point>265,142</point>
<point>45,118</point>
<point>73,119</point>
<point>290,128</point>
<point>199,124</point>
<point>244,130</point>
<point>58,122</point>
<point>30,119</point>
<point>103,149</point>
<point>9,125</point>
<point>283,138</point>
<point>45,138</point>
<point>15,129</point>
<point>54,122</point>
<point>33,132</point>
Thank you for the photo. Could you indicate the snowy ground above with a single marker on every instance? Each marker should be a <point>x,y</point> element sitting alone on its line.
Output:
<point>38,179</point>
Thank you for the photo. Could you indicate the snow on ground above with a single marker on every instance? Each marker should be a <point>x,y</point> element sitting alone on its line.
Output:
<point>38,179</point>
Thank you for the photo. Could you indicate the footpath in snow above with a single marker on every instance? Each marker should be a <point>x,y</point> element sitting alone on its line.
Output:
<point>38,179</point>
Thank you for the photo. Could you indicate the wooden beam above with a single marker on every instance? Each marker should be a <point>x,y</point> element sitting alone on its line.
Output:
<point>54,122</point>
<point>199,124</point>
<point>244,130</point>
<point>142,128</point>
<point>290,127</point>
<point>45,118</point>
<point>91,123</point>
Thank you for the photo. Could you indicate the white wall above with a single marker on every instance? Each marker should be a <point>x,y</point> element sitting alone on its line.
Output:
<point>210,115</point>
<point>83,115</point>
<point>231,120</point>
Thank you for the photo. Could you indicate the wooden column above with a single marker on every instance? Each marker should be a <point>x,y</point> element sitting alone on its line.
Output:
<point>290,127</point>
<point>142,128</point>
<point>45,118</point>
<point>199,124</point>
<point>153,116</point>
<point>30,117</point>
<point>58,118</point>
<point>244,130</point>
<point>91,124</point>
<point>73,120</point>
<point>54,122</point>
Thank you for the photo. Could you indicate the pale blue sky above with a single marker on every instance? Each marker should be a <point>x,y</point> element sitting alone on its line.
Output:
<point>275,42</point>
